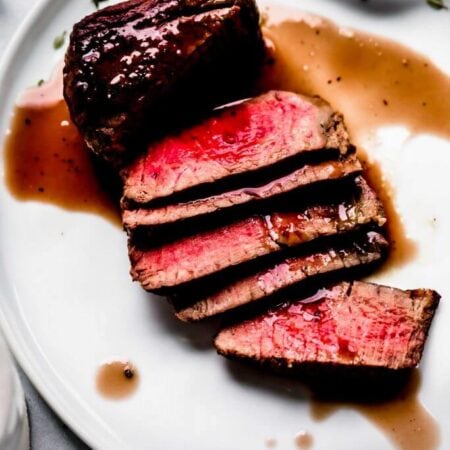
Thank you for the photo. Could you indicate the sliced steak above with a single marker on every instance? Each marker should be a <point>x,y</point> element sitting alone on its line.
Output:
<point>365,249</point>
<point>305,176</point>
<point>208,252</point>
<point>347,324</point>
<point>244,137</point>
<point>135,67</point>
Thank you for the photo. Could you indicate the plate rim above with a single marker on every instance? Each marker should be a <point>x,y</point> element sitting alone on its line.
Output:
<point>19,350</point>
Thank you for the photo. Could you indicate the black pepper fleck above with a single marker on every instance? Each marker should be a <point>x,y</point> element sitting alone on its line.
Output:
<point>338,78</point>
<point>385,102</point>
<point>128,372</point>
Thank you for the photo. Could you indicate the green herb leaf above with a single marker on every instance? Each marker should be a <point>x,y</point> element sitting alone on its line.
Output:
<point>40,82</point>
<point>58,42</point>
<point>97,2</point>
<point>437,4</point>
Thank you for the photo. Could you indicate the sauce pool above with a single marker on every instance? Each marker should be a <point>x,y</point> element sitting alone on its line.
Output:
<point>46,159</point>
<point>373,81</point>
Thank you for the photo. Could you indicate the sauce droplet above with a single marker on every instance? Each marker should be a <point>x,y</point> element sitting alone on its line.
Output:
<point>46,159</point>
<point>271,442</point>
<point>304,440</point>
<point>117,380</point>
<point>403,419</point>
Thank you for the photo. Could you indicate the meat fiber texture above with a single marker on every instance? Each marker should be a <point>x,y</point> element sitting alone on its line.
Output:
<point>349,324</point>
<point>196,256</point>
<point>306,176</point>
<point>238,139</point>
<point>135,68</point>
<point>361,250</point>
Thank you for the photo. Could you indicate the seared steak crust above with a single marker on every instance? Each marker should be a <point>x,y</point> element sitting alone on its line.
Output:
<point>135,67</point>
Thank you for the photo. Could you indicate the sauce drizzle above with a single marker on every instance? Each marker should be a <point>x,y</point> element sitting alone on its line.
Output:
<point>403,420</point>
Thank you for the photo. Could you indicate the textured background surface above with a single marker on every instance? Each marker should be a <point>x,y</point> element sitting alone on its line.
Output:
<point>47,431</point>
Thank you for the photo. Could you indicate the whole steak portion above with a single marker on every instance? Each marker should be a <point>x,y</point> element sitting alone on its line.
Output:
<point>348,324</point>
<point>135,67</point>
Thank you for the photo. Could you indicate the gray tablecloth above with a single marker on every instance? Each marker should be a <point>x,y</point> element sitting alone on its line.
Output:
<point>47,431</point>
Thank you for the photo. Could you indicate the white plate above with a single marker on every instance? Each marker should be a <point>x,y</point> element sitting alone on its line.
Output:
<point>67,302</point>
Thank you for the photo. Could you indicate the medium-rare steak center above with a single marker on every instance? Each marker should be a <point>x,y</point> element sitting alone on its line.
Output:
<point>307,175</point>
<point>349,324</point>
<point>238,139</point>
<point>353,252</point>
<point>208,252</point>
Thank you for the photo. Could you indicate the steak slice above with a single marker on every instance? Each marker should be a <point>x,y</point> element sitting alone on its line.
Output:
<point>348,324</point>
<point>135,67</point>
<point>305,176</point>
<point>240,138</point>
<point>208,252</point>
<point>365,249</point>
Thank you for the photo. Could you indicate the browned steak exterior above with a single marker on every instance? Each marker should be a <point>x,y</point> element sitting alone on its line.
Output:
<point>305,176</point>
<point>348,324</point>
<point>137,66</point>
<point>363,250</point>
<point>208,252</point>
<point>238,139</point>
